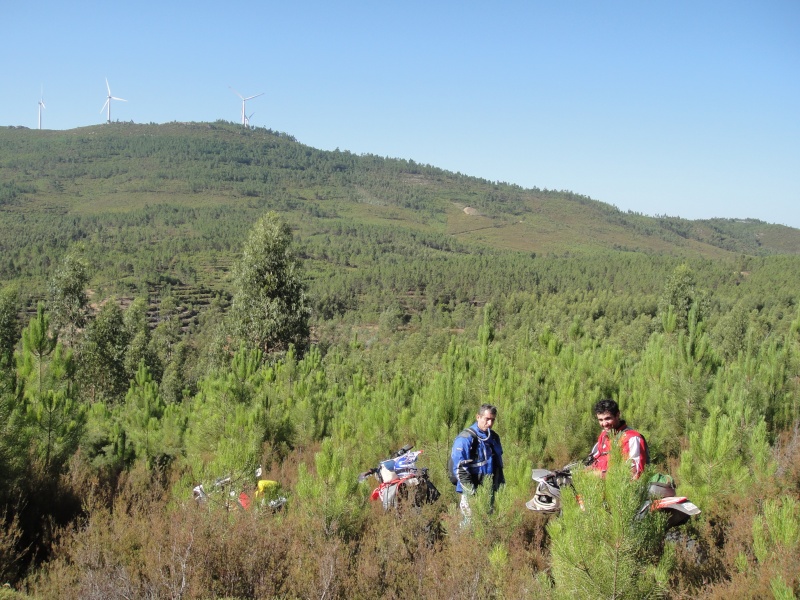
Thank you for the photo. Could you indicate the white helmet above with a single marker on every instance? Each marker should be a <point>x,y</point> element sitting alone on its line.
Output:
<point>547,499</point>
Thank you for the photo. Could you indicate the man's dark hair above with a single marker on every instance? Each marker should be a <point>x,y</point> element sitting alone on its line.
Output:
<point>606,406</point>
<point>487,407</point>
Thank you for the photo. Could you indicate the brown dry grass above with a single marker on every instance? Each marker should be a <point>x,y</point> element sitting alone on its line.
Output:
<point>141,543</point>
<point>138,541</point>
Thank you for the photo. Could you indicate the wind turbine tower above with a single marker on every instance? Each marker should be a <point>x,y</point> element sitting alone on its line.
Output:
<point>245,119</point>
<point>41,106</point>
<point>107,105</point>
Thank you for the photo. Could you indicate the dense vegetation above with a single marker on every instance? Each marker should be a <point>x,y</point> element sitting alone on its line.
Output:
<point>160,328</point>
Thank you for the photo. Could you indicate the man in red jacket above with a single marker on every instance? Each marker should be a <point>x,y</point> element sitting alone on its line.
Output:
<point>634,447</point>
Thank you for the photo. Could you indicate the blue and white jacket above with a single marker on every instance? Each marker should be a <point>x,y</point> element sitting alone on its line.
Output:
<point>487,459</point>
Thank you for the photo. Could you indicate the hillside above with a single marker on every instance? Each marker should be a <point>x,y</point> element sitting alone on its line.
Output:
<point>63,182</point>
<point>157,206</point>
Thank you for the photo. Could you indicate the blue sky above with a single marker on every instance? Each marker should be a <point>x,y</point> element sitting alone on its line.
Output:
<point>688,109</point>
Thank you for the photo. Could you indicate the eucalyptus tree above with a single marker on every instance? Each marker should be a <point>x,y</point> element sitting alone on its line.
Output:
<point>681,292</point>
<point>139,340</point>
<point>270,309</point>
<point>68,298</point>
<point>9,335</point>
<point>101,365</point>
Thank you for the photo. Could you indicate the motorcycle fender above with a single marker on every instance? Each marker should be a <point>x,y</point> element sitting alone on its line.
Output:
<point>687,508</point>
<point>676,503</point>
<point>667,502</point>
<point>540,474</point>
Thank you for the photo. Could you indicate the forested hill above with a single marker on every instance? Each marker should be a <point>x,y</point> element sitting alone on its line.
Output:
<point>59,186</point>
<point>169,205</point>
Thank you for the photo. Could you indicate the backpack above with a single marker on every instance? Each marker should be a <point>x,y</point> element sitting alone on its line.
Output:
<point>473,449</point>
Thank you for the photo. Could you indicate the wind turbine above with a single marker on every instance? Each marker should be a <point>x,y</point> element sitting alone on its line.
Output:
<point>41,106</point>
<point>108,102</point>
<point>247,119</point>
<point>244,102</point>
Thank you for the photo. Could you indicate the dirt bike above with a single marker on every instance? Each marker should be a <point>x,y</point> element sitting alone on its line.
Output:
<point>660,491</point>
<point>400,480</point>
<point>228,493</point>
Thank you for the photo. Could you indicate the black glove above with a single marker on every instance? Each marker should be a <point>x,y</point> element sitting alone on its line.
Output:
<point>464,477</point>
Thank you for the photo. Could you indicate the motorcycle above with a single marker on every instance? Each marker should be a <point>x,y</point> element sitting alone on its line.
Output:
<point>400,480</point>
<point>225,492</point>
<point>661,496</point>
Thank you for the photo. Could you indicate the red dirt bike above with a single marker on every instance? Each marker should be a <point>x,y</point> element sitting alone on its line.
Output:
<point>660,490</point>
<point>400,480</point>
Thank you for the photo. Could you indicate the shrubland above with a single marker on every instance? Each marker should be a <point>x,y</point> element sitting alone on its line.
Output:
<point>150,348</point>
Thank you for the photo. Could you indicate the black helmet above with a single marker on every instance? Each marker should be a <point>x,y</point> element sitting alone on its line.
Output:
<point>661,486</point>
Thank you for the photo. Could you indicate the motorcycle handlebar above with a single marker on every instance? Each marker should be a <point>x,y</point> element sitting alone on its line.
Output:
<point>405,449</point>
<point>365,474</point>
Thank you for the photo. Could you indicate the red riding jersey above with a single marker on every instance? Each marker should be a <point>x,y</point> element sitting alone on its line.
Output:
<point>634,449</point>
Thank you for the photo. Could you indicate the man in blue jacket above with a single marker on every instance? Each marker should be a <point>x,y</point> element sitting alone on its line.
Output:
<point>477,455</point>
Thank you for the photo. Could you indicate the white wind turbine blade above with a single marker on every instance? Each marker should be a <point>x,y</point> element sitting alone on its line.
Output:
<point>244,101</point>
<point>41,106</point>
<point>245,118</point>
<point>107,105</point>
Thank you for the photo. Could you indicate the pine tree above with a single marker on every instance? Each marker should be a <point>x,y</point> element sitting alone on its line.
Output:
<point>153,428</point>
<point>604,551</point>
<point>712,468</point>
<point>54,417</point>
<point>331,494</point>
<point>13,441</point>
<point>226,422</point>
<point>776,544</point>
<point>138,334</point>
